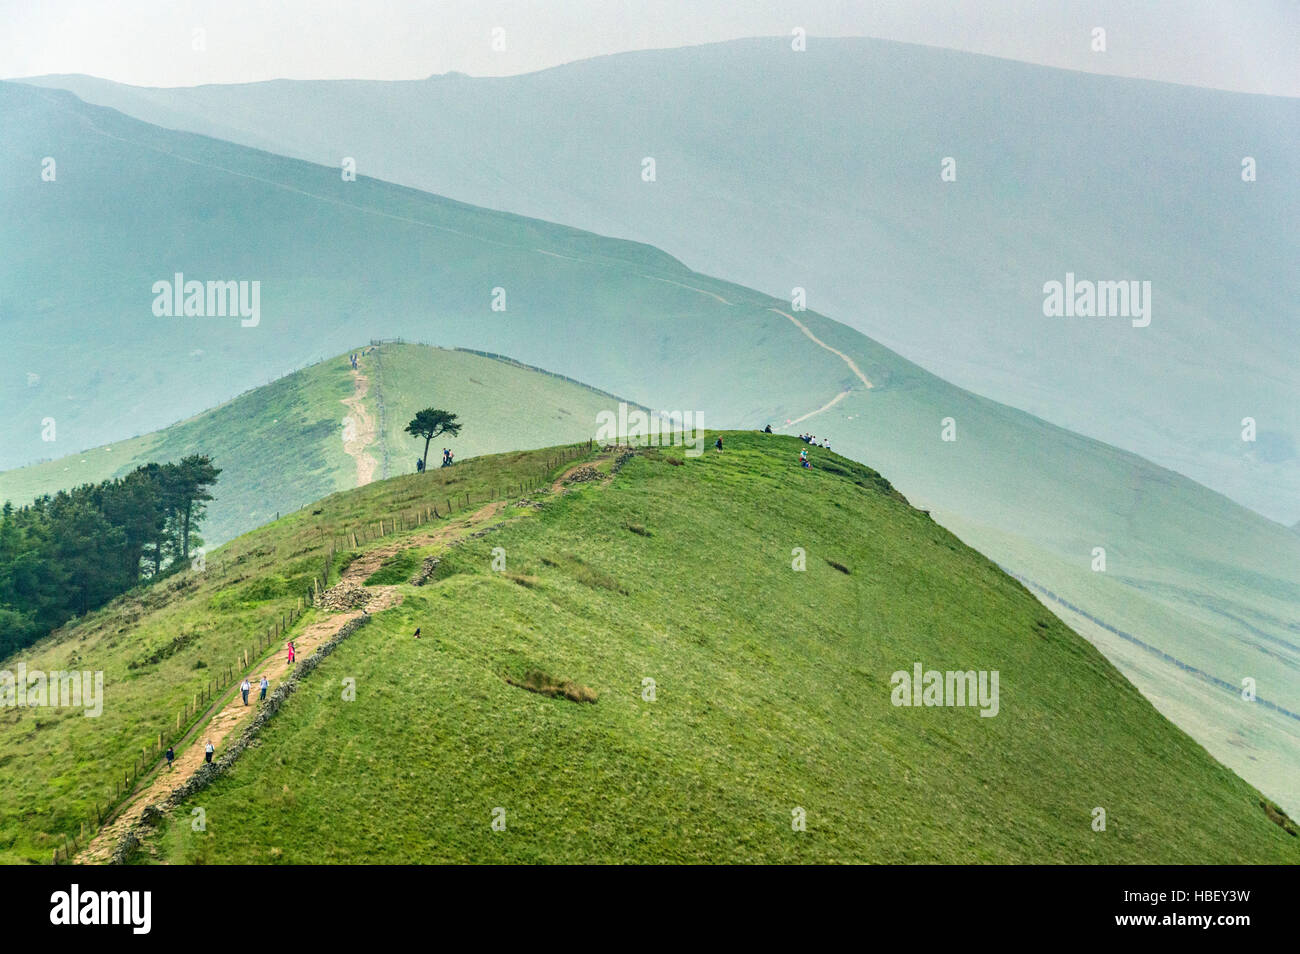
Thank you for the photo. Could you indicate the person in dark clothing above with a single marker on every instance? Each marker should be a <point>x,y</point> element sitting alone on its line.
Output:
<point>768,429</point>
<point>417,632</point>
<point>171,757</point>
<point>718,443</point>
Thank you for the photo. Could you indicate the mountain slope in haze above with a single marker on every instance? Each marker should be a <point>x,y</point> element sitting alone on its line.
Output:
<point>337,262</point>
<point>771,699</point>
<point>298,438</point>
<point>1210,590</point>
<point>822,170</point>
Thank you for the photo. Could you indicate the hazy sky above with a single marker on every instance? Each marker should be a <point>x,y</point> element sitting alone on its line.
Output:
<point>1246,45</point>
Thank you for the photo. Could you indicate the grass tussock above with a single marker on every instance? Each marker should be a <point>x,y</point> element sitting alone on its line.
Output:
<point>1279,818</point>
<point>546,685</point>
<point>585,573</point>
<point>597,579</point>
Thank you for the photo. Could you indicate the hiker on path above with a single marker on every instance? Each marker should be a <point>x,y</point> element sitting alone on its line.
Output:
<point>291,653</point>
<point>171,757</point>
<point>263,685</point>
<point>208,749</point>
<point>243,688</point>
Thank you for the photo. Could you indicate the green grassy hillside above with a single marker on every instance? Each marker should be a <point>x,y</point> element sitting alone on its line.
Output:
<point>772,693</point>
<point>160,647</point>
<point>281,445</point>
<point>1211,590</point>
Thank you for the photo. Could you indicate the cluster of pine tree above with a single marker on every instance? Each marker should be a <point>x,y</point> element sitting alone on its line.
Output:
<point>66,555</point>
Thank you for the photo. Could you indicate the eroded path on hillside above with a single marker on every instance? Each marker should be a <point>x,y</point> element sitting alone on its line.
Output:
<point>821,344</point>
<point>853,366</point>
<point>359,431</point>
<point>825,407</point>
<point>230,711</point>
<point>703,291</point>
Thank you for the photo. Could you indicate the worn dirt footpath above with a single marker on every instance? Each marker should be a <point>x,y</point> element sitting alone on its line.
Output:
<point>359,430</point>
<point>232,710</point>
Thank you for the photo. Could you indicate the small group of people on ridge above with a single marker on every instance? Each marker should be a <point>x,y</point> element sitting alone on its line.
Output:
<point>448,458</point>
<point>803,454</point>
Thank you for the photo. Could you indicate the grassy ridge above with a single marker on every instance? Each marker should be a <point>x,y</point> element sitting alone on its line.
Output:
<point>772,692</point>
<point>280,446</point>
<point>503,406</point>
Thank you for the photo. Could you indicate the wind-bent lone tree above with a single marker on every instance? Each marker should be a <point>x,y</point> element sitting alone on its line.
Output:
<point>430,423</point>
